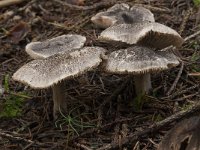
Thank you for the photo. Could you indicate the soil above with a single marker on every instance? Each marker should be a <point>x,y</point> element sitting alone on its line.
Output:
<point>100,109</point>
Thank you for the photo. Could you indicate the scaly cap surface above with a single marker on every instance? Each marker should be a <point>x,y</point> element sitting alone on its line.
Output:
<point>43,73</point>
<point>139,60</point>
<point>64,43</point>
<point>149,34</point>
<point>122,13</point>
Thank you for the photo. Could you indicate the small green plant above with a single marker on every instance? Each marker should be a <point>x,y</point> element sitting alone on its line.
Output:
<point>194,58</point>
<point>74,124</point>
<point>13,102</point>
<point>6,83</point>
<point>196,3</point>
<point>186,107</point>
<point>12,107</point>
<point>195,45</point>
<point>157,118</point>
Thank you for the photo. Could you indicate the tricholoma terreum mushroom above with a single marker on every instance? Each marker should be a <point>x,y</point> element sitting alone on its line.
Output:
<point>68,43</point>
<point>143,56</point>
<point>51,71</point>
<point>140,62</point>
<point>149,34</point>
<point>122,13</point>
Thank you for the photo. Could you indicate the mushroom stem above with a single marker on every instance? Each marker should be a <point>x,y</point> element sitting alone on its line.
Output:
<point>142,83</point>
<point>58,98</point>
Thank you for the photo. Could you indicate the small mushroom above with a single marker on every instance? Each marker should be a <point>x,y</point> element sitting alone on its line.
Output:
<point>122,13</point>
<point>69,42</point>
<point>51,71</point>
<point>140,62</point>
<point>148,34</point>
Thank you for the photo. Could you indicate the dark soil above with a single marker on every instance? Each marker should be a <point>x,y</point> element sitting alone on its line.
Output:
<point>91,122</point>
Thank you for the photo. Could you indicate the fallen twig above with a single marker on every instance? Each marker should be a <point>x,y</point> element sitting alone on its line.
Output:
<point>176,80</point>
<point>94,6</point>
<point>185,20</point>
<point>4,3</point>
<point>76,26</point>
<point>181,92</point>
<point>186,97</point>
<point>154,128</point>
<point>12,136</point>
<point>155,9</point>
<point>194,74</point>
<point>82,146</point>
<point>116,92</point>
<point>93,130</point>
<point>17,94</point>
<point>192,36</point>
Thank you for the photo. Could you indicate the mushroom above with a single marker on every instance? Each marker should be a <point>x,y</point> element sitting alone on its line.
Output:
<point>150,34</point>
<point>140,62</point>
<point>69,42</point>
<point>51,71</point>
<point>122,13</point>
<point>64,43</point>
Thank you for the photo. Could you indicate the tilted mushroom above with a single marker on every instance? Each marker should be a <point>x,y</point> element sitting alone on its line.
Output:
<point>140,62</point>
<point>64,43</point>
<point>69,42</point>
<point>122,13</point>
<point>50,71</point>
<point>149,34</point>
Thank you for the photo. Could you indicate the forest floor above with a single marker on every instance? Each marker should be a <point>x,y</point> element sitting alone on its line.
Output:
<point>100,113</point>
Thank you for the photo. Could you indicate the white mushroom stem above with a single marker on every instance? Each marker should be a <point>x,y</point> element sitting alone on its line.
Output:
<point>142,83</point>
<point>58,98</point>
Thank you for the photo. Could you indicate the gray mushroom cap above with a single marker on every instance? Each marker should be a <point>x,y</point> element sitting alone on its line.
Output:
<point>43,73</point>
<point>139,60</point>
<point>63,43</point>
<point>122,13</point>
<point>149,34</point>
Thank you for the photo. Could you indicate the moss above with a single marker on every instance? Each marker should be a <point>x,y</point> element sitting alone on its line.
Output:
<point>13,101</point>
<point>196,3</point>
<point>12,106</point>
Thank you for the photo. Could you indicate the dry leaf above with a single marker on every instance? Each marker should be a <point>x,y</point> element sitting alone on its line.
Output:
<point>184,136</point>
<point>18,32</point>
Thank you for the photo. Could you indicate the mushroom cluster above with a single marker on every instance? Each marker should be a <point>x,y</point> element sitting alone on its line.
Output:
<point>58,59</point>
<point>145,39</point>
<point>65,56</point>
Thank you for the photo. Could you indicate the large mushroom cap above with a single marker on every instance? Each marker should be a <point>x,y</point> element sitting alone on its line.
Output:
<point>138,60</point>
<point>43,73</point>
<point>122,13</point>
<point>55,45</point>
<point>149,34</point>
